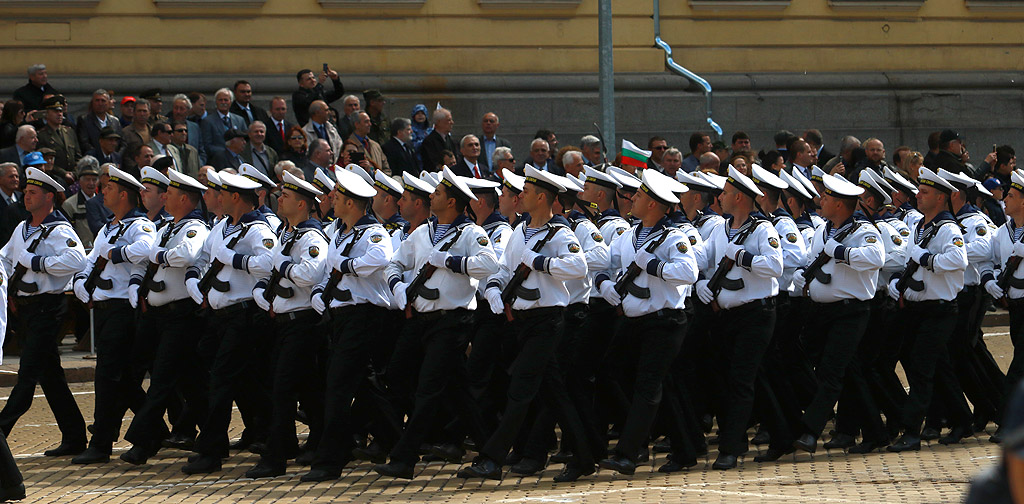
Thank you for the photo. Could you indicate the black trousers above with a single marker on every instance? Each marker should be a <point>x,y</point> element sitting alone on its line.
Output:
<point>858,408</point>
<point>355,335</point>
<point>885,334</point>
<point>985,391</point>
<point>240,333</point>
<point>486,365</point>
<point>39,320</point>
<point>743,335</point>
<point>925,358</point>
<point>438,342</point>
<point>117,385</point>
<point>777,404</point>
<point>535,371</point>
<point>657,338</point>
<point>175,330</point>
<point>832,345</point>
<point>10,476</point>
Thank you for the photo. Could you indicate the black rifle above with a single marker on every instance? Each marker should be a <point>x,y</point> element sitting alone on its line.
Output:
<point>270,293</point>
<point>153,268</point>
<point>904,282</point>
<point>216,266</point>
<point>635,269</point>
<point>20,269</point>
<point>101,262</point>
<point>508,295</point>
<point>814,269</point>
<point>725,265</point>
<point>335,279</point>
<point>426,271</point>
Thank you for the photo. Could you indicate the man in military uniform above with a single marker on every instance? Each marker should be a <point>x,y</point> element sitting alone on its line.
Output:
<point>385,206</point>
<point>42,256</point>
<point>125,241</point>
<point>74,206</point>
<point>62,139</point>
<point>903,198</point>
<point>379,123</point>
<point>264,192</point>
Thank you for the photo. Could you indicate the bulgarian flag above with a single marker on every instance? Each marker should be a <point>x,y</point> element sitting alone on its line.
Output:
<point>633,155</point>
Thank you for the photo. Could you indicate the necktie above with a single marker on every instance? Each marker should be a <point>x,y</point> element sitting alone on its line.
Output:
<point>280,128</point>
<point>320,132</point>
<point>476,171</point>
<point>227,123</point>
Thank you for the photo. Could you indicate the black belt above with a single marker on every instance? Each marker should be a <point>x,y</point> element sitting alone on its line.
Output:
<point>549,311</point>
<point>757,303</point>
<point>428,316</point>
<point>933,303</point>
<point>110,303</point>
<point>181,305</point>
<point>664,312</point>
<point>289,317</point>
<point>237,307</point>
<point>345,310</point>
<point>841,302</point>
<point>36,299</point>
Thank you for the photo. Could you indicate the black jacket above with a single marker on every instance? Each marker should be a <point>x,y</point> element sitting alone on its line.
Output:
<point>433,146</point>
<point>952,163</point>
<point>32,96</point>
<point>302,98</point>
<point>400,158</point>
<point>258,114</point>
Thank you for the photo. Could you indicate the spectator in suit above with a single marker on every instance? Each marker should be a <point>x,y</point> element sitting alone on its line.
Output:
<point>297,148</point>
<point>374,158</point>
<point>590,146</point>
<point>75,206</point>
<point>540,158</point>
<point>379,127</point>
<point>469,162</point>
<point>262,156</point>
<point>278,126</point>
<point>219,122</point>
<point>31,95</point>
<point>127,111</point>
<point>181,106</point>
<point>320,156</point>
<point>24,142</point>
<point>243,106</point>
<point>135,134</point>
<point>311,89</point>
<point>657,145</point>
<point>350,105</point>
<point>9,183</point>
<point>813,137</point>
<point>438,140</point>
<point>319,127</point>
<point>198,112</point>
<point>96,214</point>
<point>188,156</point>
<point>13,116</point>
<point>490,140</point>
<point>106,148</point>
<point>398,149</point>
<point>503,160</point>
<point>91,123</point>
<point>231,156</point>
<point>142,156</point>
<point>161,144</point>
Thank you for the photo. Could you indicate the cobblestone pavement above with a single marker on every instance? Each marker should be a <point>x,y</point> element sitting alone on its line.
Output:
<point>935,474</point>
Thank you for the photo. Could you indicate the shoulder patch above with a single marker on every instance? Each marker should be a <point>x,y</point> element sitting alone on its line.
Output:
<point>147,229</point>
<point>483,241</point>
<point>870,239</point>
<point>71,242</point>
<point>693,240</point>
<point>791,237</point>
<point>959,242</point>
<point>904,233</point>
<point>314,251</point>
<point>896,240</point>
<point>574,248</point>
<point>620,231</point>
<point>681,246</point>
<point>982,230</point>
<point>597,237</point>
<point>376,238</point>
<point>773,241</point>
<point>268,243</point>
<point>191,233</point>
<point>497,239</point>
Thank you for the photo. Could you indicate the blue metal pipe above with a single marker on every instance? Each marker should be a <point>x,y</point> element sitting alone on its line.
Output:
<point>680,70</point>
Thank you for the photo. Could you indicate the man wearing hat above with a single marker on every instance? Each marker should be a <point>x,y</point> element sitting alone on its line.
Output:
<point>951,153</point>
<point>375,102</point>
<point>386,208</point>
<point>231,155</point>
<point>415,203</point>
<point>107,149</point>
<point>266,186</point>
<point>903,198</point>
<point>170,316</point>
<point>297,265</point>
<point>120,244</point>
<point>237,253</point>
<point>459,253</point>
<point>629,184</point>
<point>156,105</point>
<point>937,260</point>
<point>356,296</point>
<point>840,290</point>
<point>599,190</point>
<point>749,247</point>
<point>74,207</point>
<point>153,195</point>
<point>47,252</point>
<point>547,248</point>
<point>510,200</point>
<point>62,139</point>
<point>653,304</point>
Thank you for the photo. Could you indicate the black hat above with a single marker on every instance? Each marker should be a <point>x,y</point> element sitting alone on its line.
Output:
<point>55,102</point>
<point>948,135</point>
<point>109,132</point>
<point>151,94</point>
<point>372,94</point>
<point>234,133</point>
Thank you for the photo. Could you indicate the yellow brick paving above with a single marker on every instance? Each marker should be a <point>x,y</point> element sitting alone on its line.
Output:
<point>935,474</point>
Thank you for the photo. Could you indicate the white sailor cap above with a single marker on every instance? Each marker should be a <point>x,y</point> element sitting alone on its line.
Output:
<point>39,178</point>
<point>124,179</point>
<point>571,183</point>
<point>482,186</point>
<point>898,181</point>
<point>413,184</point>
<point>184,182</point>
<point>352,185</point>
<point>432,178</point>
<point>322,180</point>
<point>1017,181</point>
<point>816,173</point>
<point>237,183</point>
<point>455,187</point>
<point>982,189</point>
<point>714,179</point>
<point>213,179</point>
<point>840,188</point>
<point>291,182</point>
<point>544,180</point>
<point>512,181</point>
<point>592,175</point>
<point>958,180</point>
<point>387,184</point>
<point>765,178</point>
<point>743,183</point>
<point>873,182</point>
<point>630,183</point>
<point>250,172</point>
<point>660,187</point>
<point>695,182</point>
<point>798,175</point>
<point>795,186</point>
<point>358,170</point>
<point>931,179</point>
<point>150,175</point>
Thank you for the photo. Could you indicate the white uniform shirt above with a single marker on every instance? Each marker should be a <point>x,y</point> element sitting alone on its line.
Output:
<point>1002,249</point>
<point>301,268</point>
<point>978,242</point>
<point>666,279</point>
<point>135,235</point>
<point>794,249</point>
<point>854,269</point>
<point>943,271</point>
<point>60,255</point>
<point>759,268</point>
<point>250,259</point>
<point>184,244</point>
<point>360,255</point>
<point>707,222</point>
<point>895,245</point>
<point>611,225</point>
<point>561,261</point>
